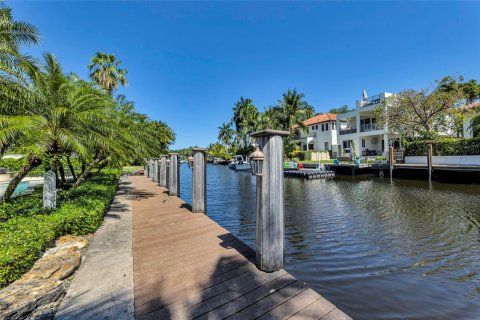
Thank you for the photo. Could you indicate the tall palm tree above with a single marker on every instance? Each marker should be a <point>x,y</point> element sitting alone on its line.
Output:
<point>475,126</point>
<point>225,134</point>
<point>244,117</point>
<point>104,70</point>
<point>295,109</point>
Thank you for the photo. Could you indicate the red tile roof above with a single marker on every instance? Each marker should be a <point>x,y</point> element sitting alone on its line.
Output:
<point>324,117</point>
<point>471,105</point>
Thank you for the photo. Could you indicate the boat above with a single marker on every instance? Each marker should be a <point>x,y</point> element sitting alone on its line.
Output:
<point>240,164</point>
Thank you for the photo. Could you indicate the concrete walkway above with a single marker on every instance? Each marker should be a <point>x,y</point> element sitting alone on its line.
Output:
<point>103,286</point>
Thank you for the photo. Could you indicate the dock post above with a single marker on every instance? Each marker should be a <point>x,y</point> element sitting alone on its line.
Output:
<point>174,176</point>
<point>199,181</point>
<point>155,170</point>
<point>429,161</point>
<point>163,172</point>
<point>270,202</point>
<point>150,168</point>
<point>391,160</point>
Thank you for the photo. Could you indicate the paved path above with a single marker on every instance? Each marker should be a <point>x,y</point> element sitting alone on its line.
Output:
<point>103,286</point>
<point>186,266</point>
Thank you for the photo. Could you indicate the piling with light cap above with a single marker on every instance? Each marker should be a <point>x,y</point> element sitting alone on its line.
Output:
<point>267,166</point>
<point>174,175</point>
<point>199,182</point>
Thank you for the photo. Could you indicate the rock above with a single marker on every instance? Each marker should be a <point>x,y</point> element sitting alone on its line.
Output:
<point>38,293</point>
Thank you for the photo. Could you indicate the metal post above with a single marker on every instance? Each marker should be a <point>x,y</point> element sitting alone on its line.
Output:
<point>429,161</point>
<point>174,176</point>
<point>270,202</point>
<point>199,185</point>
<point>163,172</point>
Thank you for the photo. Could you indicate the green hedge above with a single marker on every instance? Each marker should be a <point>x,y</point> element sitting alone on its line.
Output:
<point>444,147</point>
<point>28,231</point>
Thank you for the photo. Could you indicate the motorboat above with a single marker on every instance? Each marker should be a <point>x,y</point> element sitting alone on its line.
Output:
<point>240,164</point>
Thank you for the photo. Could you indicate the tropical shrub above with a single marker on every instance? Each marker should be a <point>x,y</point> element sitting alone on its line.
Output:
<point>29,230</point>
<point>444,147</point>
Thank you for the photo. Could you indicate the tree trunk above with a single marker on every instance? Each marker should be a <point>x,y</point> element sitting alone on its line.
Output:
<point>62,172</point>
<point>87,171</point>
<point>72,170</point>
<point>33,162</point>
<point>83,166</point>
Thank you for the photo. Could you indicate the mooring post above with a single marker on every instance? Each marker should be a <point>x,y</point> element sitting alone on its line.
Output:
<point>391,160</point>
<point>174,176</point>
<point>163,172</point>
<point>157,171</point>
<point>151,169</point>
<point>270,202</point>
<point>199,181</point>
<point>429,161</point>
<point>155,163</point>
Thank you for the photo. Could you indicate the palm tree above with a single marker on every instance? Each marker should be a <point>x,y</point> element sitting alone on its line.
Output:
<point>54,116</point>
<point>14,34</point>
<point>295,110</point>
<point>225,134</point>
<point>104,71</point>
<point>244,117</point>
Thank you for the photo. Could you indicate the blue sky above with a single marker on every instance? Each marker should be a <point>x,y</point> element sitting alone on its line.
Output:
<point>189,62</point>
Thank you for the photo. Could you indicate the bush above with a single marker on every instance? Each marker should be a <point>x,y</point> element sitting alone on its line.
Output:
<point>444,147</point>
<point>29,231</point>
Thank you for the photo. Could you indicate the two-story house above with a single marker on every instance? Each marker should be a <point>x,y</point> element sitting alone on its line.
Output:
<point>358,129</point>
<point>320,133</point>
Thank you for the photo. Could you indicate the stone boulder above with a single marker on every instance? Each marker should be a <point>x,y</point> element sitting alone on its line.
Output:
<point>38,293</point>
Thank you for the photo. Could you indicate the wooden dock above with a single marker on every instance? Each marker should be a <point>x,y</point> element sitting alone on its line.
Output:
<point>186,266</point>
<point>309,174</point>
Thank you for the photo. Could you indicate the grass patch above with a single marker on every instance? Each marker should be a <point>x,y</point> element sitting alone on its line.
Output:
<point>29,230</point>
<point>131,169</point>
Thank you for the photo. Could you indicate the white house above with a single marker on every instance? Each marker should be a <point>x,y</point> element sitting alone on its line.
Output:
<point>358,128</point>
<point>467,122</point>
<point>320,133</point>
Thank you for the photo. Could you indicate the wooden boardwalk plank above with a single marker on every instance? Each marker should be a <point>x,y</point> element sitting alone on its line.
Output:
<point>186,266</point>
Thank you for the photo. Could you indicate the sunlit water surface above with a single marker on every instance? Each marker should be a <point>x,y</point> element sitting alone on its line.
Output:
<point>376,250</point>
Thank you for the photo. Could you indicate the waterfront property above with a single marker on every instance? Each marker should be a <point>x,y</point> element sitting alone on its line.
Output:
<point>358,129</point>
<point>320,133</point>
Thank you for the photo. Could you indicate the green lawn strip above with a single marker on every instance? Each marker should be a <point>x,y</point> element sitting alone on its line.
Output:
<point>131,169</point>
<point>29,231</point>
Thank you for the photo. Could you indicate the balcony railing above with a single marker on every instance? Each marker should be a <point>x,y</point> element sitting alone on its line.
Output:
<point>348,131</point>
<point>312,135</point>
<point>372,100</point>
<point>369,127</point>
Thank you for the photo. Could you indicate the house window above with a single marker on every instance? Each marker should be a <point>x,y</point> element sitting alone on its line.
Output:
<point>363,143</point>
<point>316,127</point>
<point>333,125</point>
<point>323,128</point>
<point>326,126</point>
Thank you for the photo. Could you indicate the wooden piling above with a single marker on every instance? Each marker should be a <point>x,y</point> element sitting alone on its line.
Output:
<point>174,176</point>
<point>391,160</point>
<point>429,161</point>
<point>155,170</point>
<point>270,202</point>
<point>163,172</point>
<point>199,183</point>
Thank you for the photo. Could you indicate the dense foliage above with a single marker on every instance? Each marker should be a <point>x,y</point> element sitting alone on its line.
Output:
<point>54,117</point>
<point>444,147</point>
<point>29,231</point>
<point>234,136</point>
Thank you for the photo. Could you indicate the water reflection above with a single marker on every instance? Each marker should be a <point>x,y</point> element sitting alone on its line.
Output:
<point>374,248</point>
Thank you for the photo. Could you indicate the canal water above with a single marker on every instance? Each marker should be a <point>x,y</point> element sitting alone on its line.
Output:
<point>376,250</point>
